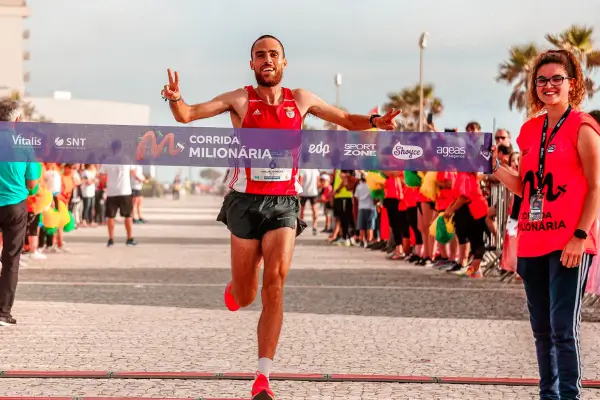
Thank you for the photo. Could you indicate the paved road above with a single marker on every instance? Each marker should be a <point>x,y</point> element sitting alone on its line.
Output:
<point>158,307</point>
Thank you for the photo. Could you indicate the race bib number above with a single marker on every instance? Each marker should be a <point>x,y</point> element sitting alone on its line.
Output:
<point>275,172</point>
<point>536,210</point>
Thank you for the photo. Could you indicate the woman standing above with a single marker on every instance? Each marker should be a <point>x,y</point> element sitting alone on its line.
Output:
<point>559,182</point>
<point>391,202</point>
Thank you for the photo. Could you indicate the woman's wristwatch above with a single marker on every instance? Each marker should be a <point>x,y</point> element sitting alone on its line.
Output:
<point>496,166</point>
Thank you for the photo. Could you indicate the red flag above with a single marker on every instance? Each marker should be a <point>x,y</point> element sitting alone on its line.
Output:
<point>374,110</point>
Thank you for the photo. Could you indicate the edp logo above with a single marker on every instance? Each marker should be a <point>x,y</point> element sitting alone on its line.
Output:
<point>406,152</point>
<point>320,148</point>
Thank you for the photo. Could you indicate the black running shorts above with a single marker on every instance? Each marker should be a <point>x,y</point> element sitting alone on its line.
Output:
<point>311,199</point>
<point>122,204</point>
<point>250,216</point>
<point>33,221</point>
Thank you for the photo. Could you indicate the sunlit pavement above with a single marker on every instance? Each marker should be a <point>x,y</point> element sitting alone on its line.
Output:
<point>158,307</point>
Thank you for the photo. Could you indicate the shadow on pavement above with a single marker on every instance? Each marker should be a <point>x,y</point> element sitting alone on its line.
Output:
<point>174,240</point>
<point>416,294</point>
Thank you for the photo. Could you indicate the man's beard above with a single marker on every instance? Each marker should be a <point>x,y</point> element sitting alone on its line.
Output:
<point>270,82</point>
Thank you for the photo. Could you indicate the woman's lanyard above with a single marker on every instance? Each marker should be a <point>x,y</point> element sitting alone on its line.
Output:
<point>542,163</point>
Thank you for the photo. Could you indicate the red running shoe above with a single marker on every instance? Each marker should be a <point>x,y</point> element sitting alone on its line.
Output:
<point>260,389</point>
<point>229,300</point>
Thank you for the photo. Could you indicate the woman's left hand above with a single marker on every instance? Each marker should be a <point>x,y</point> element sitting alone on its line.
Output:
<point>572,253</point>
<point>448,214</point>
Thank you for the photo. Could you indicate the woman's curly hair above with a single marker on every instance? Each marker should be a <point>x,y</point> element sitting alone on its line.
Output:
<point>568,60</point>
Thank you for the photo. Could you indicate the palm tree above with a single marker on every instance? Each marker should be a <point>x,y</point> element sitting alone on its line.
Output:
<point>515,72</point>
<point>408,100</point>
<point>578,39</point>
<point>30,113</point>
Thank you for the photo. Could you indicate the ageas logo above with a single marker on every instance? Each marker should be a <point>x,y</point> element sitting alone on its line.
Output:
<point>452,151</point>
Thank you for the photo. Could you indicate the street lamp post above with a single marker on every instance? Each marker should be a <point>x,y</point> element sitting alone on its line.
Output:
<point>422,46</point>
<point>338,82</point>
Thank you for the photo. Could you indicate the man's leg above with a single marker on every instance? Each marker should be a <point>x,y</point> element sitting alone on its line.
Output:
<point>246,256</point>
<point>110,223</point>
<point>278,248</point>
<point>111,212</point>
<point>302,206</point>
<point>313,204</point>
<point>238,214</point>
<point>139,208</point>
<point>126,210</point>
<point>14,225</point>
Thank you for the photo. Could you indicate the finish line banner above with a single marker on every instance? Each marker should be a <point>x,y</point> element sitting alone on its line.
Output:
<point>264,149</point>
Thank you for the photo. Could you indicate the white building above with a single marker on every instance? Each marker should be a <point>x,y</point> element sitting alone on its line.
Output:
<point>59,108</point>
<point>13,33</point>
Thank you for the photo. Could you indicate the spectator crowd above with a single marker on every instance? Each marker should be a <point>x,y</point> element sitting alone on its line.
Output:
<point>479,211</point>
<point>93,193</point>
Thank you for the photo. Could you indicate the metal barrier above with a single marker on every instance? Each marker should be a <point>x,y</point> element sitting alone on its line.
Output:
<point>501,200</point>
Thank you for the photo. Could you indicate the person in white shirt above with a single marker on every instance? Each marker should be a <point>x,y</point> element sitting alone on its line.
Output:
<point>88,193</point>
<point>366,211</point>
<point>118,198</point>
<point>137,183</point>
<point>76,206</point>
<point>53,179</point>
<point>309,180</point>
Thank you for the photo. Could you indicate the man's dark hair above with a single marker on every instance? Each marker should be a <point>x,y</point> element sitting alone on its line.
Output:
<point>596,115</point>
<point>9,110</point>
<point>506,150</point>
<point>473,125</point>
<point>266,37</point>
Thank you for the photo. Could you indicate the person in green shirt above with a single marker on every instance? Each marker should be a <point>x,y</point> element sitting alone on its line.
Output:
<point>344,183</point>
<point>18,179</point>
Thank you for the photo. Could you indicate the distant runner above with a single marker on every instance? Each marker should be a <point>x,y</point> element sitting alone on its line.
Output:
<point>261,214</point>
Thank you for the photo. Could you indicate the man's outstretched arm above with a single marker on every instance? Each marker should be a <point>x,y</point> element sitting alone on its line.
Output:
<point>185,113</point>
<point>352,122</point>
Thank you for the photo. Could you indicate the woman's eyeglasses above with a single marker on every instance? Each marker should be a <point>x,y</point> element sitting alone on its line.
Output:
<point>556,80</point>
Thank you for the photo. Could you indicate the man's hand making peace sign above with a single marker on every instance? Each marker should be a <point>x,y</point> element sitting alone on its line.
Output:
<point>386,122</point>
<point>171,91</point>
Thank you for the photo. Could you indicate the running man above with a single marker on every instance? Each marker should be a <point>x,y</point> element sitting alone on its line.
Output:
<point>262,215</point>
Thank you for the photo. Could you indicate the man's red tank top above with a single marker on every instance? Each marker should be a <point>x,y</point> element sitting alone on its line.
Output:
<point>269,181</point>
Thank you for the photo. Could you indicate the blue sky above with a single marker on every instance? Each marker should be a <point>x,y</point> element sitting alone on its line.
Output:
<point>120,50</point>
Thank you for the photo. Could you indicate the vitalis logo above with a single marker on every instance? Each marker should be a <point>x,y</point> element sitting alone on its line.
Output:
<point>21,141</point>
<point>405,152</point>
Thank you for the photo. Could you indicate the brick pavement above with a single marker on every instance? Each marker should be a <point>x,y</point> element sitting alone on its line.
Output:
<point>115,323</point>
<point>284,390</point>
